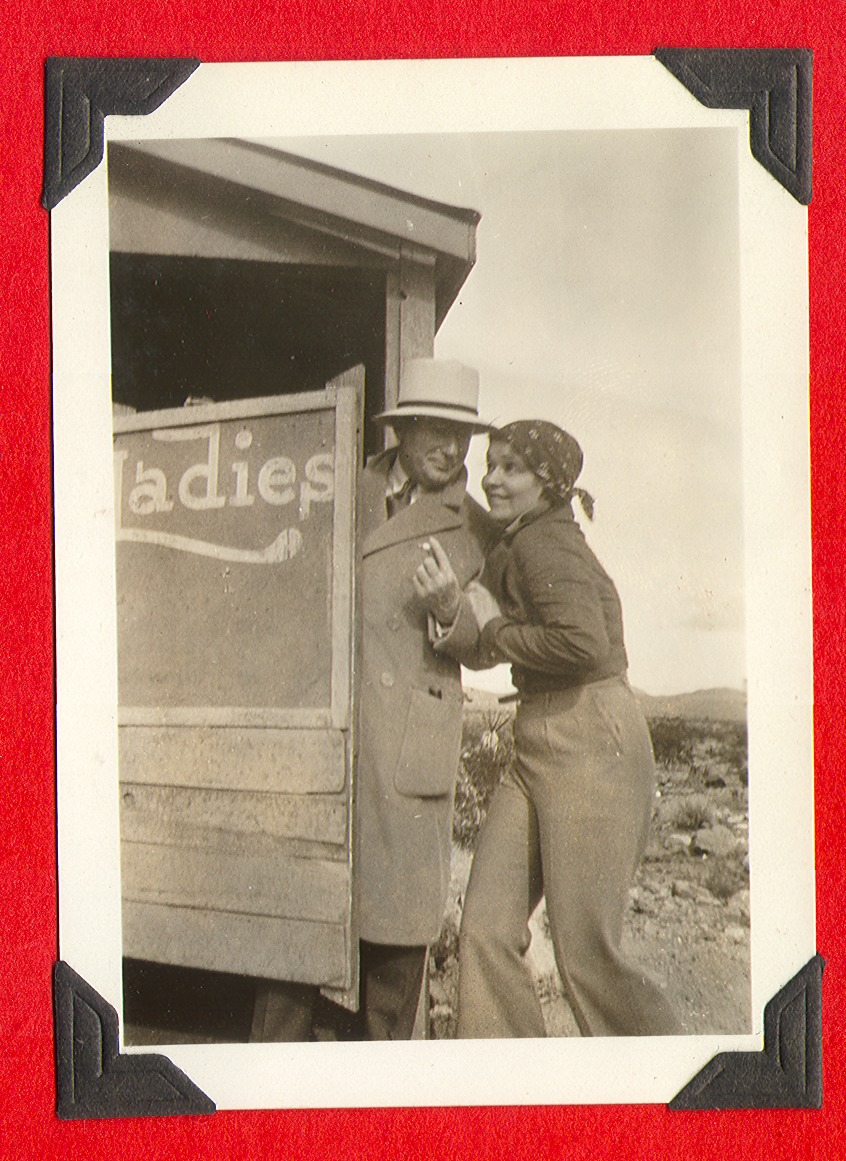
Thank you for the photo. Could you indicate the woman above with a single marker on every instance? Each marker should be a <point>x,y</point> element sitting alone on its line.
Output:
<point>572,818</point>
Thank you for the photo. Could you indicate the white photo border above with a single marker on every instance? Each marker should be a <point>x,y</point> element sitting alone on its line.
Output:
<point>455,96</point>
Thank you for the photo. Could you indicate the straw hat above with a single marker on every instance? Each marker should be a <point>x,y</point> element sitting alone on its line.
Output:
<point>440,388</point>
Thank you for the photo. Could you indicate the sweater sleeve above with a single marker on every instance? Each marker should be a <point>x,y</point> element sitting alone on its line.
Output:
<point>565,631</point>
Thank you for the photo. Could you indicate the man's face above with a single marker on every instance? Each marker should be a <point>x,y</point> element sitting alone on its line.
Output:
<point>432,451</point>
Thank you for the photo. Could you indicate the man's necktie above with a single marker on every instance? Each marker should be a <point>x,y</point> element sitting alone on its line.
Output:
<point>396,501</point>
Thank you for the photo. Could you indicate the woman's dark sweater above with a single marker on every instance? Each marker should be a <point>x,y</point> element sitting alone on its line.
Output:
<point>561,622</point>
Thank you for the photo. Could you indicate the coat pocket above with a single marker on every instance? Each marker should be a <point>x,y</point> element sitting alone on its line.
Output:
<point>431,746</point>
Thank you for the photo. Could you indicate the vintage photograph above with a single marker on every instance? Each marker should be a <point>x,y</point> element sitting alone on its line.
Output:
<point>440,696</point>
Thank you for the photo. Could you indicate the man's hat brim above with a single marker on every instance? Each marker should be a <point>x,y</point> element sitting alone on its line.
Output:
<point>453,415</point>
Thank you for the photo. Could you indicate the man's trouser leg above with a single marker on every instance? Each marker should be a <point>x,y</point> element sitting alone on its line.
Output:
<point>283,1012</point>
<point>391,979</point>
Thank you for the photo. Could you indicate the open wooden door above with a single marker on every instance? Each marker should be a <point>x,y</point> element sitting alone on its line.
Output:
<point>235,580</point>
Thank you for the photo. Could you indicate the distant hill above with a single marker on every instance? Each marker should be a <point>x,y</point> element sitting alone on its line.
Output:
<point>725,705</point>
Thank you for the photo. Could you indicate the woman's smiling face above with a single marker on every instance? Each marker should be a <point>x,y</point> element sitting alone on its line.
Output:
<point>511,487</point>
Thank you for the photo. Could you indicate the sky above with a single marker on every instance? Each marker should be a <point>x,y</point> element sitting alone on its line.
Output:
<point>605,298</point>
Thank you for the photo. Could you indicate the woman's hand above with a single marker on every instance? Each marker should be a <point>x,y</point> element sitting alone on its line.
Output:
<point>436,584</point>
<point>482,603</point>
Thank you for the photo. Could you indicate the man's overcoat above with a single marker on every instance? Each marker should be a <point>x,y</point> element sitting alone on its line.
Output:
<point>410,700</point>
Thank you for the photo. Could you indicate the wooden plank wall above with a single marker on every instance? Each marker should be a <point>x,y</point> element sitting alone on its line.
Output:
<point>235,850</point>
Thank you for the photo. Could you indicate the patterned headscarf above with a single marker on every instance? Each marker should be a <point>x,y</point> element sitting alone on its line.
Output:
<point>552,454</point>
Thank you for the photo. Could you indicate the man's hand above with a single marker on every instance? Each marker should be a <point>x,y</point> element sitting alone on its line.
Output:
<point>436,584</point>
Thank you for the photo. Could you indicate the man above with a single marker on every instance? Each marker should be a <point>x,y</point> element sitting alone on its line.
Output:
<point>410,700</point>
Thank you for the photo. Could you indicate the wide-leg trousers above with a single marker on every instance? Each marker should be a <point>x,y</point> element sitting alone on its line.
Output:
<point>571,821</point>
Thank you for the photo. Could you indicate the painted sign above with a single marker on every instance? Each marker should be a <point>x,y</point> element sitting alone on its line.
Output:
<point>224,534</point>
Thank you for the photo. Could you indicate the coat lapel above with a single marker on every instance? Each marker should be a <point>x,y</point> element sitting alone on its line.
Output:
<point>372,512</point>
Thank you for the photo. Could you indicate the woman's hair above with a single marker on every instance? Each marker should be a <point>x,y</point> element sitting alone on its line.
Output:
<point>552,454</point>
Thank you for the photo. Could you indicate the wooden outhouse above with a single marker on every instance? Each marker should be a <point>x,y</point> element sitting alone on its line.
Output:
<point>261,306</point>
<point>240,271</point>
